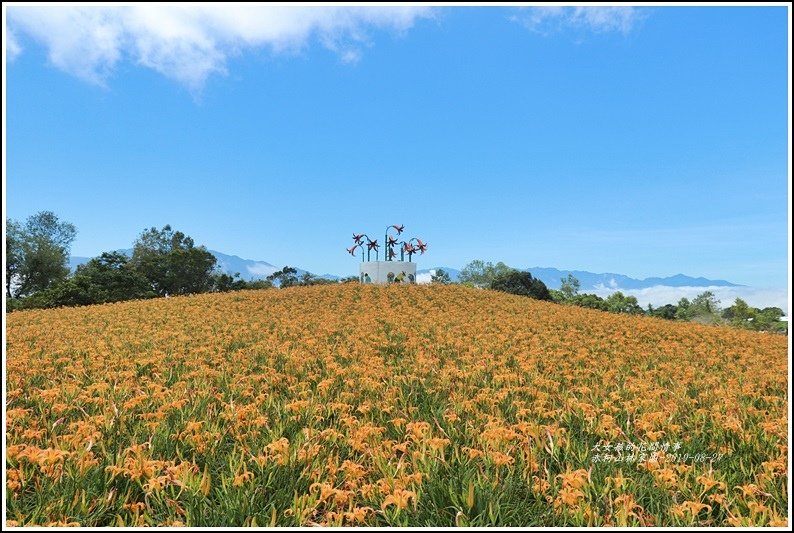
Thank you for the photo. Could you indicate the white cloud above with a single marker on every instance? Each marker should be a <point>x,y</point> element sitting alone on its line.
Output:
<point>13,48</point>
<point>426,277</point>
<point>85,42</point>
<point>261,269</point>
<point>662,294</point>
<point>547,20</point>
<point>190,43</point>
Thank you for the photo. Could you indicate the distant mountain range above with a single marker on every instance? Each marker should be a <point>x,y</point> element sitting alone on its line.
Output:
<point>552,277</point>
<point>250,269</point>
<point>589,280</point>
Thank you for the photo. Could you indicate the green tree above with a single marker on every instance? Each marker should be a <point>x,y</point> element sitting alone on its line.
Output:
<point>775,313</point>
<point>112,279</point>
<point>521,283</point>
<point>705,303</point>
<point>104,279</point>
<point>569,287</point>
<point>439,276</point>
<point>258,284</point>
<point>684,309</point>
<point>617,302</point>
<point>481,274</point>
<point>740,313</point>
<point>37,253</point>
<point>223,282</point>
<point>704,308</point>
<point>284,278</point>
<point>172,263</point>
<point>667,311</point>
<point>768,319</point>
<point>590,301</point>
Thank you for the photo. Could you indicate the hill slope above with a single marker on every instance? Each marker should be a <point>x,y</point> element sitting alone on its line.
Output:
<point>418,405</point>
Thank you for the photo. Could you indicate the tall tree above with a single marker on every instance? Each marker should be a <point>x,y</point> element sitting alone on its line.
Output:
<point>482,274</point>
<point>705,303</point>
<point>284,278</point>
<point>617,302</point>
<point>684,309</point>
<point>172,263</point>
<point>522,283</point>
<point>37,253</point>
<point>739,313</point>
<point>569,287</point>
<point>704,308</point>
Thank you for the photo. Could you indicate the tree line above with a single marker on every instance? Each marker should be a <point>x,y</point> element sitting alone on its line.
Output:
<point>164,262</point>
<point>704,308</point>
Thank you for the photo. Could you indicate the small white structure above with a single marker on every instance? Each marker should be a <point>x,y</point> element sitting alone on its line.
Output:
<point>383,272</point>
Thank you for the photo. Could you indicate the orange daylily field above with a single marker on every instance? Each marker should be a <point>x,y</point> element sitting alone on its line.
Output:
<point>391,405</point>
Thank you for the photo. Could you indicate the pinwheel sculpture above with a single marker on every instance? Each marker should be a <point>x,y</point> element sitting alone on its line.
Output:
<point>370,244</point>
<point>410,247</point>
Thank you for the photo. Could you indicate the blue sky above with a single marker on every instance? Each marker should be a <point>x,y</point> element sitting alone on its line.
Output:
<point>645,141</point>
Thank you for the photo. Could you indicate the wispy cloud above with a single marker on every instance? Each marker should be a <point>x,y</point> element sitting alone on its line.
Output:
<point>661,295</point>
<point>261,269</point>
<point>190,43</point>
<point>548,20</point>
<point>13,49</point>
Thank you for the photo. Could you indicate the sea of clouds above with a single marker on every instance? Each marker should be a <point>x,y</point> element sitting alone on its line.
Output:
<point>660,295</point>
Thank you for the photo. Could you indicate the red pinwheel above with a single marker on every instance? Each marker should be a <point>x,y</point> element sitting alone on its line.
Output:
<point>399,228</point>
<point>422,246</point>
<point>357,237</point>
<point>352,250</point>
<point>392,240</point>
<point>392,253</point>
<point>372,245</point>
<point>408,248</point>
